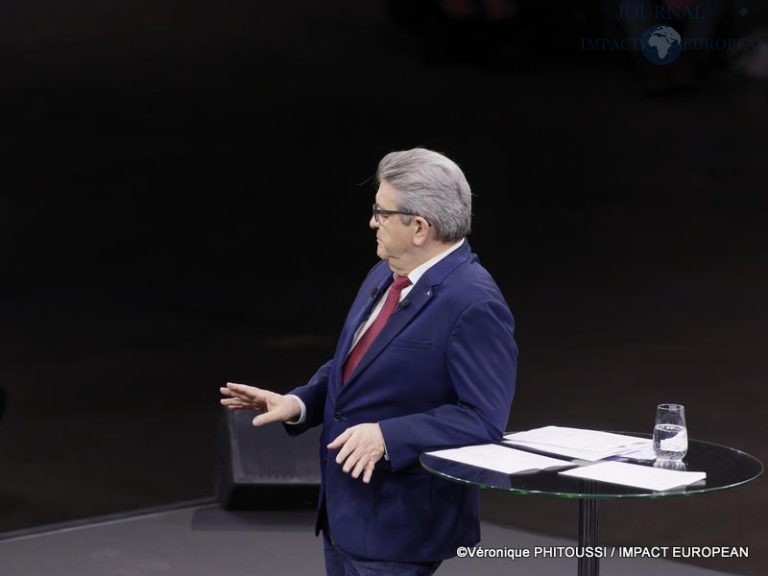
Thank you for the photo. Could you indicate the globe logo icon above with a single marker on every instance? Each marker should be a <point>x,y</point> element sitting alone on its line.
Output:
<point>661,44</point>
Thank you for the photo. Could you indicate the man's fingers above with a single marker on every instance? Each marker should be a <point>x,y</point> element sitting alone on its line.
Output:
<point>266,418</point>
<point>244,391</point>
<point>233,388</point>
<point>236,400</point>
<point>344,454</point>
<point>359,467</point>
<point>358,452</point>
<point>234,393</point>
<point>350,461</point>
<point>261,419</point>
<point>233,403</point>
<point>339,440</point>
<point>240,390</point>
<point>347,445</point>
<point>369,468</point>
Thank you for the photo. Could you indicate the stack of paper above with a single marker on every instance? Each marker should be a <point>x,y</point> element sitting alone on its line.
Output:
<point>579,443</point>
<point>643,453</point>
<point>647,477</point>
<point>500,458</point>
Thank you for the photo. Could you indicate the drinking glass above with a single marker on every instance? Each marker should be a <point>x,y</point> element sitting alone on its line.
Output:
<point>678,465</point>
<point>670,435</point>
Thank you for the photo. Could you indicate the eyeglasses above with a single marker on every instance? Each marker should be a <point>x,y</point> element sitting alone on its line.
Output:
<point>379,212</point>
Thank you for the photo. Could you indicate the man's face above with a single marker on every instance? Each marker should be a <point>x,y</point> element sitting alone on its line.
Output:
<point>393,238</point>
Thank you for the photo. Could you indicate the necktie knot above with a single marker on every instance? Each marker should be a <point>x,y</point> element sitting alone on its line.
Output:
<point>400,283</point>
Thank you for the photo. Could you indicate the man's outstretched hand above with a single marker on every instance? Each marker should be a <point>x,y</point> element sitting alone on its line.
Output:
<point>274,407</point>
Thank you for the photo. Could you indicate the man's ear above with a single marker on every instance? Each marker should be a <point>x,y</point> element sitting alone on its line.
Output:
<point>421,231</point>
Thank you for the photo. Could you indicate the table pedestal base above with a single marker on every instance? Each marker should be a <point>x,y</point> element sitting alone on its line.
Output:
<point>589,516</point>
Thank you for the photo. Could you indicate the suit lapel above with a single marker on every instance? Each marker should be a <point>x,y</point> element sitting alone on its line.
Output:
<point>358,317</point>
<point>418,297</point>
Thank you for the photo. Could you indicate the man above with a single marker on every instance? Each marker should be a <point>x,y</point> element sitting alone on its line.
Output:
<point>426,360</point>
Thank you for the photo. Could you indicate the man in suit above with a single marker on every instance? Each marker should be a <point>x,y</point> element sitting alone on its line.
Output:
<point>426,360</point>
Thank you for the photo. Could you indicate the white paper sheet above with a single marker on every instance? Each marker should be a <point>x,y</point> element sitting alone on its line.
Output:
<point>640,454</point>
<point>657,479</point>
<point>500,458</point>
<point>590,445</point>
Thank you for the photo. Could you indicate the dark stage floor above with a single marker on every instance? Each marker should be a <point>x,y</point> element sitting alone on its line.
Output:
<point>182,209</point>
<point>202,540</point>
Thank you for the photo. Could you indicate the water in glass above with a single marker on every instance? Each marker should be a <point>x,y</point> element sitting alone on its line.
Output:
<point>670,435</point>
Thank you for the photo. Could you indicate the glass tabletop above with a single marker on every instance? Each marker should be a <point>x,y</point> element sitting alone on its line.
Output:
<point>725,467</point>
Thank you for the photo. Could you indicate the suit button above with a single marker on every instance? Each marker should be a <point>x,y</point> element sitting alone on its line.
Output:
<point>337,416</point>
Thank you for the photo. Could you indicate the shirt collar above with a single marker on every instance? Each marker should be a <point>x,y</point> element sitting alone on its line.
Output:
<point>415,274</point>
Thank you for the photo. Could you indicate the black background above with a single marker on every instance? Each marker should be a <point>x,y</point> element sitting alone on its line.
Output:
<point>184,198</point>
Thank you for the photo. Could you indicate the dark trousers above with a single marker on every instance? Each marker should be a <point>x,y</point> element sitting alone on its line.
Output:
<point>339,563</point>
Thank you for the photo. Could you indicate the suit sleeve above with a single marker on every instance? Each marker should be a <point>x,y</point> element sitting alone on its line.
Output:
<point>481,366</point>
<point>313,395</point>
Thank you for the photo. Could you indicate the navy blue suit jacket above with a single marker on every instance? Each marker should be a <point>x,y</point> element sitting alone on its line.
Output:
<point>440,374</point>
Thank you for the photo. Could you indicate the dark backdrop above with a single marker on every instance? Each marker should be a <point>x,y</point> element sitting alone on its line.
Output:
<point>184,197</point>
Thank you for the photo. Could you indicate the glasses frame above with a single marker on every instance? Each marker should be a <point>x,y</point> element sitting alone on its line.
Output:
<point>379,212</point>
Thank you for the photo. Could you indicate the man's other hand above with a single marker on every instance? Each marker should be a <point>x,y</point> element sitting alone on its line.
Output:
<point>361,447</point>
<point>274,407</point>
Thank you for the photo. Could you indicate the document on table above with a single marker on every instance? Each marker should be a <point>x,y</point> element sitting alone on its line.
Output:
<point>500,458</point>
<point>643,453</point>
<point>578,443</point>
<point>657,479</point>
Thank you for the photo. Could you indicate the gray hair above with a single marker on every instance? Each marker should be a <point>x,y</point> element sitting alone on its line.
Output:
<point>432,186</point>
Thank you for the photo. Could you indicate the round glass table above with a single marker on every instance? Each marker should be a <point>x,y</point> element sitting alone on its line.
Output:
<point>725,468</point>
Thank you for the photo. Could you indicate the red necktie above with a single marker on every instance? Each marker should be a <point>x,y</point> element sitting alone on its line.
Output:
<point>365,341</point>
